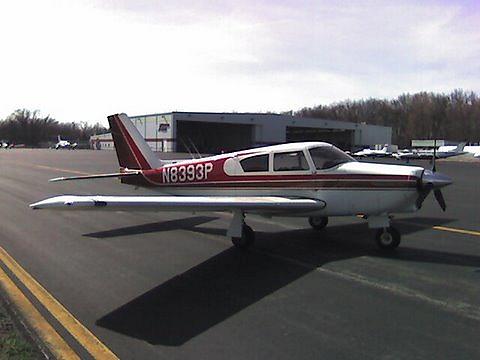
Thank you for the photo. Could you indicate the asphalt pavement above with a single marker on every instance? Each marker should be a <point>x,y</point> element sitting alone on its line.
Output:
<point>170,285</point>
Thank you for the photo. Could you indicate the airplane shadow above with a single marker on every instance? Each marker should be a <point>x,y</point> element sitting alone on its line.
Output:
<point>211,292</point>
<point>187,223</point>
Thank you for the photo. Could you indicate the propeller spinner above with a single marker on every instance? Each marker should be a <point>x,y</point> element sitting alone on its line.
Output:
<point>431,180</point>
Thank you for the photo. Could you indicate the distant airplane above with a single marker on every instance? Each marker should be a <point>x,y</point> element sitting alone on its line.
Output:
<point>473,149</point>
<point>373,153</point>
<point>64,144</point>
<point>441,153</point>
<point>309,179</point>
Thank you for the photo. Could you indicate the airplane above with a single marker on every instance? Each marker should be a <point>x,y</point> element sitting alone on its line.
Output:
<point>314,180</point>
<point>373,153</point>
<point>64,144</point>
<point>473,149</point>
<point>441,153</point>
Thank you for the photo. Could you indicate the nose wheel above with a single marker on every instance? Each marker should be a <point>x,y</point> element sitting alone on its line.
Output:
<point>387,238</point>
<point>247,238</point>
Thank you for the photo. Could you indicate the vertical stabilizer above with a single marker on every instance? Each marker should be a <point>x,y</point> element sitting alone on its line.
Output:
<point>460,147</point>
<point>132,150</point>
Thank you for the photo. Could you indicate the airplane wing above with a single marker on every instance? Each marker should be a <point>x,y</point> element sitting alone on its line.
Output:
<point>180,203</point>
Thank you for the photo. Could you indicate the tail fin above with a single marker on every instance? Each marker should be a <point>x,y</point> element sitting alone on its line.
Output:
<point>460,147</point>
<point>132,150</point>
<point>59,139</point>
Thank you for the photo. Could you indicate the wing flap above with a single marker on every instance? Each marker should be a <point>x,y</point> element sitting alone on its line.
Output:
<point>178,203</point>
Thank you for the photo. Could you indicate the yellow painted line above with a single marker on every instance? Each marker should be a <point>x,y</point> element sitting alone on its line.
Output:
<point>442,228</point>
<point>36,321</point>
<point>455,230</point>
<point>61,170</point>
<point>84,336</point>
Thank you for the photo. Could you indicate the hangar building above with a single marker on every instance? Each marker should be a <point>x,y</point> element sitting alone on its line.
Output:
<point>216,132</point>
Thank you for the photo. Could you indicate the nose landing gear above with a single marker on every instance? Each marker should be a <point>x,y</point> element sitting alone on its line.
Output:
<point>387,238</point>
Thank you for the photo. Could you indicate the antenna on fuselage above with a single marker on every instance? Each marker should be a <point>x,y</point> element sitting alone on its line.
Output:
<point>187,148</point>
<point>195,148</point>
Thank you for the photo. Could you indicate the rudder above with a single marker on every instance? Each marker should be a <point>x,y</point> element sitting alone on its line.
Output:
<point>132,150</point>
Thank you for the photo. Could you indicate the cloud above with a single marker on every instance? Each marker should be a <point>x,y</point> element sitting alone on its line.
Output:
<point>81,60</point>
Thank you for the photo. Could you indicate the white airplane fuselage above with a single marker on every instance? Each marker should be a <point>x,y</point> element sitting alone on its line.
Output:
<point>349,188</point>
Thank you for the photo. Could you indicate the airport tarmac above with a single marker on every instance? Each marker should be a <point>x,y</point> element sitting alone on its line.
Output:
<point>170,285</point>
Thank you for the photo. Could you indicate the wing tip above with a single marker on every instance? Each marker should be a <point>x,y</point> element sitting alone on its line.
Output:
<point>62,178</point>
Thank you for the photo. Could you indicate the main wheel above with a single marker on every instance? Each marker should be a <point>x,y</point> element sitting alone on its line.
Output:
<point>318,222</point>
<point>387,238</point>
<point>247,239</point>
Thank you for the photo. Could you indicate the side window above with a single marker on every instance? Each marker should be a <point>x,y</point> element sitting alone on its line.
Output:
<point>290,161</point>
<point>255,163</point>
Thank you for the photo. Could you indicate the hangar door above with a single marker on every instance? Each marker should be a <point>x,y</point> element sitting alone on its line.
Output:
<point>338,137</point>
<point>213,137</point>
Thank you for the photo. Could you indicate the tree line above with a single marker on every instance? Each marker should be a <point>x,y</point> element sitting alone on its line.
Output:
<point>424,115</point>
<point>29,128</point>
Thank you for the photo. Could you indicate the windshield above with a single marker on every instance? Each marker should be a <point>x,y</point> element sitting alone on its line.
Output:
<point>325,157</point>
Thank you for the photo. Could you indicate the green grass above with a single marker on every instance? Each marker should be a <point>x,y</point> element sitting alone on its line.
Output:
<point>13,345</point>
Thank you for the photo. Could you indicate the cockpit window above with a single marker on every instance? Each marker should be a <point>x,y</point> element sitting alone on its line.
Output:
<point>290,161</point>
<point>325,157</point>
<point>255,163</point>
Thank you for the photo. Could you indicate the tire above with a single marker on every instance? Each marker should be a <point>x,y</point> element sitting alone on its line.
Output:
<point>388,238</point>
<point>247,239</point>
<point>318,222</point>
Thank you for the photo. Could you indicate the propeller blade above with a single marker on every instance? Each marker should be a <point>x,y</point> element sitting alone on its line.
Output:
<point>441,201</point>
<point>423,191</point>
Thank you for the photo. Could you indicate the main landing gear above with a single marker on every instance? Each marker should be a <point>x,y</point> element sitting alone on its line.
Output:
<point>318,222</point>
<point>247,238</point>
<point>241,234</point>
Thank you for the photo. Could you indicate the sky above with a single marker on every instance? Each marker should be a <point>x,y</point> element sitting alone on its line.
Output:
<point>81,60</point>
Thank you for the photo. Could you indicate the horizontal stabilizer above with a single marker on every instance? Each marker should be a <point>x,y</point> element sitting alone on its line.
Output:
<point>96,176</point>
<point>178,203</point>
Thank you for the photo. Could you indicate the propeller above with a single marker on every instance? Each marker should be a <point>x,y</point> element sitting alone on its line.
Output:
<point>437,192</point>
<point>430,180</point>
<point>441,201</point>
<point>423,190</point>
